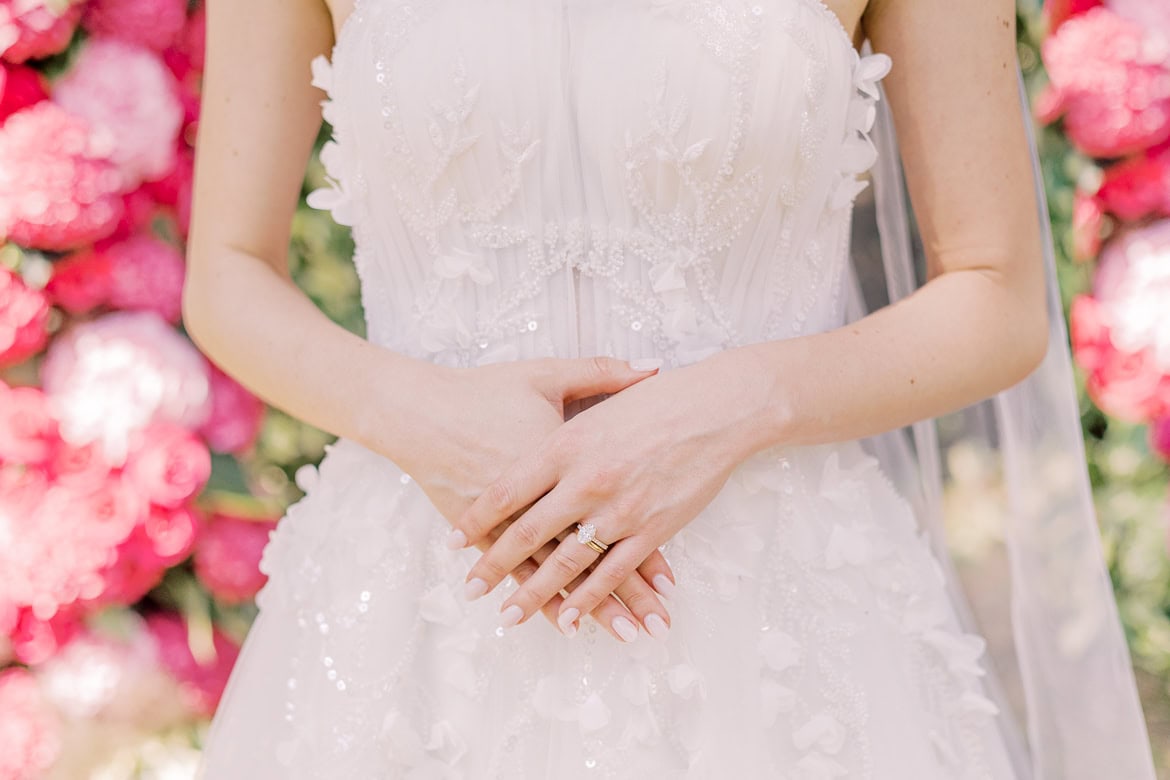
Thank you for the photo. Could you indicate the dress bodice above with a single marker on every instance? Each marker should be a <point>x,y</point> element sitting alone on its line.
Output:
<point>626,177</point>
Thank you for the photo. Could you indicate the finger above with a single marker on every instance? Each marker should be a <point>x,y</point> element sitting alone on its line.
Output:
<point>656,571</point>
<point>584,377</point>
<point>521,539</point>
<point>609,572</point>
<point>606,614</point>
<point>645,604</point>
<point>524,483</point>
<point>567,560</point>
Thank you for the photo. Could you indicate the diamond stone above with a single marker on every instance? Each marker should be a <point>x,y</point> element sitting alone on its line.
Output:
<point>585,532</point>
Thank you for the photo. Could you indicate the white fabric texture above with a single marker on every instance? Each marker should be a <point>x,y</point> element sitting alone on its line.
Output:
<point>635,178</point>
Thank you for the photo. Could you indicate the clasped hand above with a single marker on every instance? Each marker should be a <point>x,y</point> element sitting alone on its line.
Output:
<point>639,466</point>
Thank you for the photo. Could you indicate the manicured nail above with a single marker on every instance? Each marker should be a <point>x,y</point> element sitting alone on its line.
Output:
<point>646,364</point>
<point>624,628</point>
<point>456,539</point>
<point>656,625</point>
<point>511,615</point>
<point>663,585</point>
<point>474,589</point>
<point>565,621</point>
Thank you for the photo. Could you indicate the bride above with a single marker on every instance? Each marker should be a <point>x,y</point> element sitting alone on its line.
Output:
<point>600,505</point>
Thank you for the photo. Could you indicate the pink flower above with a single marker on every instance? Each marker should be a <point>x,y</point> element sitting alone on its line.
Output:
<point>227,557</point>
<point>1138,187</point>
<point>202,680</point>
<point>1153,15</point>
<point>146,274</point>
<point>168,465</point>
<point>128,90</point>
<point>35,641</point>
<point>1160,437</point>
<point>80,282</point>
<point>1110,81</point>
<point>59,188</point>
<point>30,731</point>
<point>20,87</point>
<point>31,29</point>
<point>1059,11</point>
<point>28,433</point>
<point>164,539</point>
<point>154,24</point>
<point>236,415</point>
<point>139,208</point>
<point>24,318</point>
<point>111,377</point>
<point>1124,384</point>
<point>1088,223</point>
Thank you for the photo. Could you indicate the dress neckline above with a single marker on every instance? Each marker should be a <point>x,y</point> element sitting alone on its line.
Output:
<point>819,6</point>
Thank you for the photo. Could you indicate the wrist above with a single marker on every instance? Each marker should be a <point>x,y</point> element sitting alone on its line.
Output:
<point>389,409</point>
<point>759,412</point>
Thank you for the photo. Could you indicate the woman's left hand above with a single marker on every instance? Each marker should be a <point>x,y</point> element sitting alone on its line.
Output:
<point>639,466</point>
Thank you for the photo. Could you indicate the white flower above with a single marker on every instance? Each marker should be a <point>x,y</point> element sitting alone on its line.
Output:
<point>779,650</point>
<point>685,679</point>
<point>822,730</point>
<point>335,197</point>
<point>439,605</point>
<point>458,262</point>
<point>774,699</point>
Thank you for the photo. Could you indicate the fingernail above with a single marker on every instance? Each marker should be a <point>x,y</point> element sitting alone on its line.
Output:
<point>511,615</point>
<point>656,625</point>
<point>456,539</point>
<point>646,364</point>
<point>663,585</point>
<point>565,620</point>
<point>624,628</point>
<point>474,589</point>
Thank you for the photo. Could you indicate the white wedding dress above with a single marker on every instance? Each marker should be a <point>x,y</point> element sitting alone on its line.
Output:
<point>636,178</point>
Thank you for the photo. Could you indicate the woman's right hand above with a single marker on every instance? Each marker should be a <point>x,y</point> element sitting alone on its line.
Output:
<point>471,423</point>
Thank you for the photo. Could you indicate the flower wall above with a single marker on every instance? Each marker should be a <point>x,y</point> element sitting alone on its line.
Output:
<point>138,482</point>
<point>1100,78</point>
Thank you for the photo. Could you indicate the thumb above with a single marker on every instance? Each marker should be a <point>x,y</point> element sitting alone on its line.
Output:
<point>584,377</point>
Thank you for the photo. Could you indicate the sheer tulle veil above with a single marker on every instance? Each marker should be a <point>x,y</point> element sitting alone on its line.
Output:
<point>1068,665</point>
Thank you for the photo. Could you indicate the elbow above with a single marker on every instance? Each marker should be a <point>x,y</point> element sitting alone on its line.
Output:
<point>1029,342</point>
<point>194,307</point>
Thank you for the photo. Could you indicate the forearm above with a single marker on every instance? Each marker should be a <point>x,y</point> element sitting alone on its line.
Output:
<point>264,331</point>
<point>961,338</point>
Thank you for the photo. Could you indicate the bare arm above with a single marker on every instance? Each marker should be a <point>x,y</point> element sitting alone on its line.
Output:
<point>259,119</point>
<point>979,325</point>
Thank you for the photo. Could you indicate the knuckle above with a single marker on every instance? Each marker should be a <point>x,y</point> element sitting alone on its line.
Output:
<point>611,570</point>
<point>499,496</point>
<point>526,534</point>
<point>600,366</point>
<point>563,566</point>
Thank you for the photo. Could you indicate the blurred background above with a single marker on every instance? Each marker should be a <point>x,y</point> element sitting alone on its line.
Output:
<point>138,483</point>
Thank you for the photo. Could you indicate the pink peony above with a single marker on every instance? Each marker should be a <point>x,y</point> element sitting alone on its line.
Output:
<point>80,282</point>
<point>139,209</point>
<point>1160,437</point>
<point>227,557</point>
<point>1088,223</point>
<point>20,87</point>
<point>168,190</point>
<point>1124,384</point>
<point>24,318</point>
<point>109,378</point>
<point>128,90</point>
<point>146,273</point>
<point>168,465</point>
<point>1138,187</point>
<point>59,188</point>
<point>1152,14</point>
<point>31,29</point>
<point>1110,81</point>
<point>35,641</point>
<point>1057,12</point>
<point>30,738</point>
<point>81,469</point>
<point>154,24</point>
<point>28,433</point>
<point>236,415</point>
<point>165,538</point>
<point>202,680</point>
